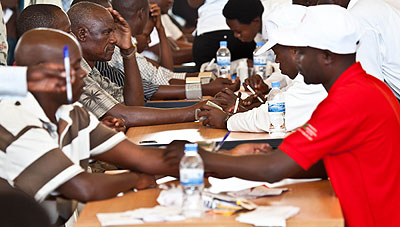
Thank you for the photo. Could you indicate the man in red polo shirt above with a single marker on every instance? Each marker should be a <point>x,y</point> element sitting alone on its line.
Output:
<point>355,130</point>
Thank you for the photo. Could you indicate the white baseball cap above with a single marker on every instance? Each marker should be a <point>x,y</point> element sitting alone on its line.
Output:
<point>280,19</point>
<point>327,27</point>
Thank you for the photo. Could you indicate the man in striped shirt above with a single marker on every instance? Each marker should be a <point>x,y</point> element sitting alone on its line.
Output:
<point>46,150</point>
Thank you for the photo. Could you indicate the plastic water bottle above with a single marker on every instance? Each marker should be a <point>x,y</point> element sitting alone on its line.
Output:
<point>224,60</point>
<point>242,71</point>
<point>276,111</point>
<point>260,62</point>
<point>191,170</point>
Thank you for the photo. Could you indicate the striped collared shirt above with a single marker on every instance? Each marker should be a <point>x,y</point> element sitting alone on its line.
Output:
<point>37,156</point>
<point>117,76</point>
<point>156,75</point>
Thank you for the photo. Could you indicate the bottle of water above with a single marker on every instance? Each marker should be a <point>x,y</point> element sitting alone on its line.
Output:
<point>276,111</point>
<point>191,170</point>
<point>224,60</point>
<point>260,62</point>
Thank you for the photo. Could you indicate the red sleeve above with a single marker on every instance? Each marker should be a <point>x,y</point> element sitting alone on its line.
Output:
<point>329,130</point>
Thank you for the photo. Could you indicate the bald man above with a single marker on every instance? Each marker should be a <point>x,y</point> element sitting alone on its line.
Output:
<point>55,140</point>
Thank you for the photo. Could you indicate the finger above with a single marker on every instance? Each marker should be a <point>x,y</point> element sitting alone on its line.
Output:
<point>206,121</point>
<point>203,114</point>
<point>206,107</point>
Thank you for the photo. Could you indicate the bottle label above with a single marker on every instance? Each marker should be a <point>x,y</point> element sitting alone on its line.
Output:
<point>191,177</point>
<point>261,60</point>
<point>223,60</point>
<point>276,107</point>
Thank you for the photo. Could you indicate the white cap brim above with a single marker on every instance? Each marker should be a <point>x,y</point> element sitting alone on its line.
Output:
<point>268,45</point>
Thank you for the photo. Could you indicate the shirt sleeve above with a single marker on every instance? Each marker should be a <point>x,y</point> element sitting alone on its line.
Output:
<point>13,82</point>
<point>255,120</point>
<point>103,138</point>
<point>320,136</point>
<point>95,99</point>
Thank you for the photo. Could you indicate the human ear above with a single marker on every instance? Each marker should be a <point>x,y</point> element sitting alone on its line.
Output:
<point>326,57</point>
<point>82,34</point>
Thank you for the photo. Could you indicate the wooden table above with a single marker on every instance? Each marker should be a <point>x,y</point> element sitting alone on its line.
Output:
<point>191,131</point>
<point>319,207</point>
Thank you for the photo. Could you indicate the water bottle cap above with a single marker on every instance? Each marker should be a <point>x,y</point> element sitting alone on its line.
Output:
<point>190,147</point>
<point>259,44</point>
<point>276,84</point>
<point>223,43</point>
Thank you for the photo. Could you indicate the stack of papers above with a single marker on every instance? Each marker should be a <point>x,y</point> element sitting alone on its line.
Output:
<point>268,215</point>
<point>140,216</point>
<point>259,191</point>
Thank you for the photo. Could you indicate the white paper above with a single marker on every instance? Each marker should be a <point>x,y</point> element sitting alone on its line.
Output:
<point>140,216</point>
<point>268,215</point>
<point>236,184</point>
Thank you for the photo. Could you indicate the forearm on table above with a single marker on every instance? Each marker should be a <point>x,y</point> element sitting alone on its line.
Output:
<point>169,92</point>
<point>97,186</point>
<point>140,116</point>
<point>138,158</point>
<point>260,167</point>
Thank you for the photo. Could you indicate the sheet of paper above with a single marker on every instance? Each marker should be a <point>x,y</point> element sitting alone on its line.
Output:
<point>268,215</point>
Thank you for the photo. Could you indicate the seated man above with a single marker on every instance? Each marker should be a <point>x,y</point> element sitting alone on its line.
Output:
<point>358,144</point>
<point>181,49</point>
<point>45,152</point>
<point>98,100</point>
<point>379,45</point>
<point>135,12</point>
<point>300,99</point>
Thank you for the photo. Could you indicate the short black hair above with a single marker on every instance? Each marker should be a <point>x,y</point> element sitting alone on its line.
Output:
<point>36,16</point>
<point>128,8</point>
<point>104,3</point>
<point>243,11</point>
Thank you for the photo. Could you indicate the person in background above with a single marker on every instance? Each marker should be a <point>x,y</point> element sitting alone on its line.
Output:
<point>300,99</point>
<point>379,44</point>
<point>358,144</point>
<point>211,29</point>
<point>181,48</point>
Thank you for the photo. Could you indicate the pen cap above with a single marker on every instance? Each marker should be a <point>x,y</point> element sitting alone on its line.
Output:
<point>190,147</point>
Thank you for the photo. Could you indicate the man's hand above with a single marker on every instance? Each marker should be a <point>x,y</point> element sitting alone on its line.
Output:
<point>115,123</point>
<point>122,31</point>
<point>253,101</point>
<point>226,99</point>
<point>155,13</point>
<point>174,152</point>
<point>257,83</point>
<point>250,148</point>
<point>214,116</point>
<point>47,77</point>
<point>145,181</point>
<point>220,83</point>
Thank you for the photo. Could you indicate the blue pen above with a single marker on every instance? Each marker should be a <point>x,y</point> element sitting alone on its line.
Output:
<point>67,74</point>
<point>216,148</point>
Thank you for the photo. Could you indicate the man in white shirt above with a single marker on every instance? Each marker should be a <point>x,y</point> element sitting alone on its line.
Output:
<point>301,99</point>
<point>380,44</point>
<point>211,28</point>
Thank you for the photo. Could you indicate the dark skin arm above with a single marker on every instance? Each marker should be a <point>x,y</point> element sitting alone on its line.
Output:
<point>140,116</point>
<point>133,89</point>
<point>97,186</point>
<point>47,77</point>
<point>178,91</point>
<point>271,167</point>
<point>214,117</point>
<point>164,50</point>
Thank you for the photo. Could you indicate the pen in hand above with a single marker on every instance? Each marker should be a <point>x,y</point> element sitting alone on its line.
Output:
<point>216,148</point>
<point>253,92</point>
<point>67,74</point>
